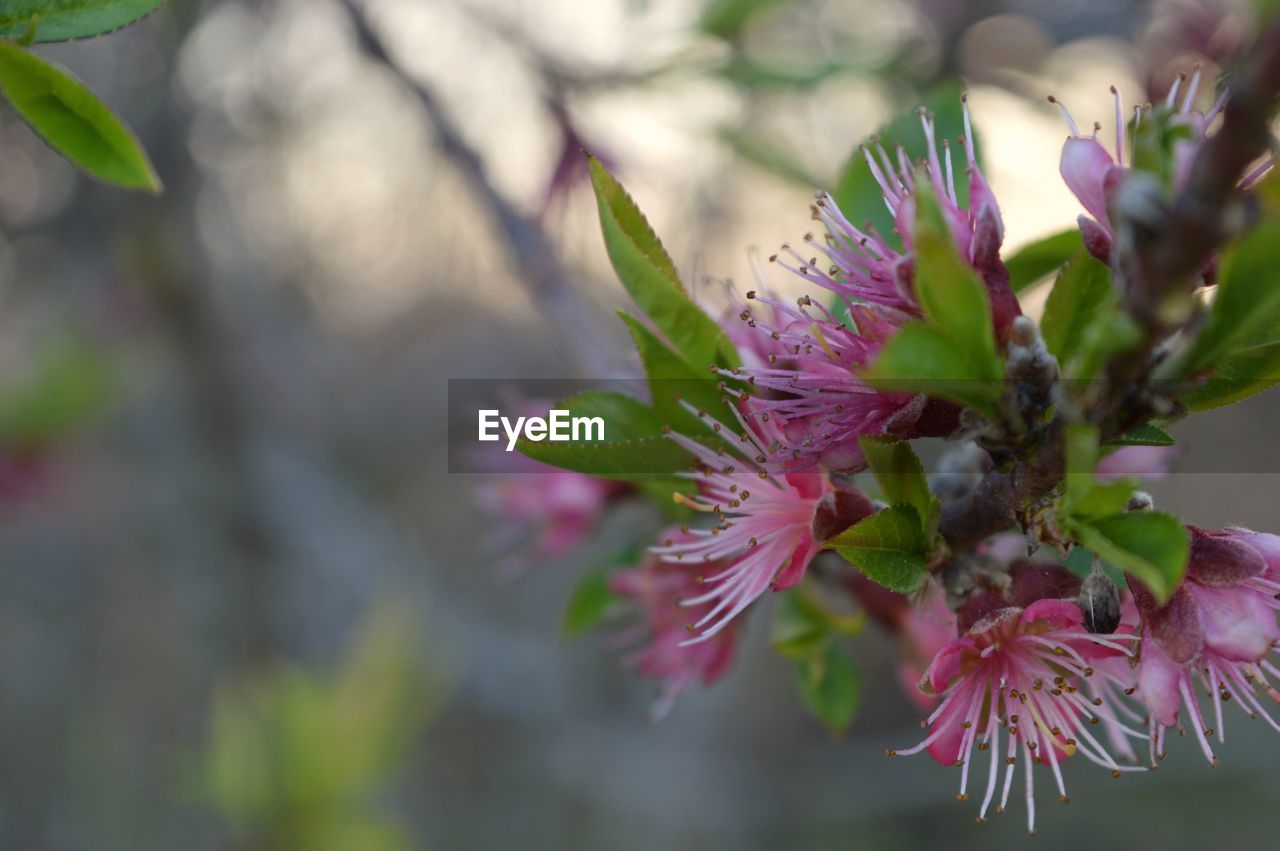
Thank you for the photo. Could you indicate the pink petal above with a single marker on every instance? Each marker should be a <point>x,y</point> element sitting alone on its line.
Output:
<point>1084,167</point>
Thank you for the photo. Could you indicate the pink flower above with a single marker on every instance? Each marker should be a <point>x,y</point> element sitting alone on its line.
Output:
<point>656,589</point>
<point>814,385</point>
<point>1030,672</point>
<point>1218,627</point>
<point>548,511</point>
<point>866,269</point>
<point>1148,462</point>
<point>768,527</point>
<point>1093,173</point>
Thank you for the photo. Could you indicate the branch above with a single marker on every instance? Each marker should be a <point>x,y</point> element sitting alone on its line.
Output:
<point>532,255</point>
<point>1163,264</point>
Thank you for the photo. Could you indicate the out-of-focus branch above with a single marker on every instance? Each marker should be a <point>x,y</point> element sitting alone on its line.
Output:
<point>1162,264</point>
<point>535,260</point>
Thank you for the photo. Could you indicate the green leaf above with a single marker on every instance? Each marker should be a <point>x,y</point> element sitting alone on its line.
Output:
<point>1240,376</point>
<point>726,19</point>
<point>901,478</point>
<point>69,384</point>
<point>1147,435</point>
<point>73,121</point>
<point>1247,301</point>
<point>1082,291</point>
<point>920,359</point>
<point>672,378</point>
<point>1084,496</point>
<point>1036,260</point>
<point>800,627</point>
<point>649,275</point>
<point>952,297</point>
<point>888,547</point>
<point>61,20</point>
<point>831,688</point>
<point>634,448</point>
<point>1154,140</point>
<point>858,194</point>
<point>588,603</point>
<point>1149,544</point>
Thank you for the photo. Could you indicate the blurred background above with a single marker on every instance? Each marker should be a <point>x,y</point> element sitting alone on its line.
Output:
<point>242,603</point>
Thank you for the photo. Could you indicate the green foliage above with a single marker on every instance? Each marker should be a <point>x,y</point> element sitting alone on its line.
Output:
<point>953,355</point>
<point>672,378</point>
<point>62,20</point>
<point>295,762</point>
<point>635,446</point>
<point>72,120</point>
<point>1038,259</point>
<point>831,687</point>
<point>1246,309</point>
<point>650,277</point>
<point>902,481</point>
<point>68,384</point>
<point>889,547</point>
<point>1151,545</point>
<point>1147,435</point>
<point>1153,144</point>
<point>803,627</point>
<point>726,19</point>
<point>1084,497</point>
<point>592,599</point>
<point>857,192</point>
<point>1243,374</point>
<point>1081,293</point>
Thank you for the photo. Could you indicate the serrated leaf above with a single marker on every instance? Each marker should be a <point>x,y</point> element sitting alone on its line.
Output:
<point>672,378</point>
<point>831,688</point>
<point>952,297</point>
<point>888,547</point>
<point>901,478</point>
<point>1151,545</point>
<point>61,20</point>
<point>1235,379</point>
<point>634,447</point>
<point>1082,291</point>
<point>920,359</point>
<point>1147,435</point>
<point>588,603</point>
<point>72,120</point>
<point>1038,259</point>
<point>650,277</point>
<point>1247,300</point>
<point>858,194</point>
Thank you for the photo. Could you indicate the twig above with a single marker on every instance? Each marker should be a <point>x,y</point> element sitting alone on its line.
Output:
<point>1163,265</point>
<point>534,259</point>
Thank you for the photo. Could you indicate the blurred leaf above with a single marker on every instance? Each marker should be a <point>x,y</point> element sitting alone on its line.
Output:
<point>589,602</point>
<point>649,275</point>
<point>61,20</point>
<point>831,687</point>
<point>1085,497</point>
<point>952,297</point>
<point>746,73</point>
<point>672,378</point>
<point>857,193</point>
<point>800,627</point>
<point>726,19</point>
<point>1147,435</point>
<point>1081,292</point>
<point>1036,260</point>
<point>1111,331</point>
<point>1247,300</point>
<point>72,120</point>
<point>1240,376</point>
<point>901,478</point>
<point>920,359</point>
<point>888,547</point>
<point>69,384</point>
<point>1154,140</point>
<point>1149,544</point>
<point>635,447</point>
